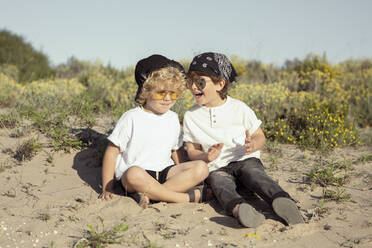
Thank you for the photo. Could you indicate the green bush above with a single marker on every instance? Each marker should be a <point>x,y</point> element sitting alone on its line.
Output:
<point>10,91</point>
<point>11,71</point>
<point>32,64</point>
<point>254,71</point>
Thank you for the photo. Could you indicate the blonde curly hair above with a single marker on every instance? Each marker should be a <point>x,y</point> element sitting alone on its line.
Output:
<point>169,78</point>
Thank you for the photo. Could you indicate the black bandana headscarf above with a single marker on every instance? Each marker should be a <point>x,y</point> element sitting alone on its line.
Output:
<point>214,64</point>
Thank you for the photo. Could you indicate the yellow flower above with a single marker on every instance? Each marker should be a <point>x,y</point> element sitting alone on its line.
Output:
<point>252,235</point>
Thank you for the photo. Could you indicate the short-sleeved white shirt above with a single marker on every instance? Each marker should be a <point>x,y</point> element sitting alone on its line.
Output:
<point>145,140</point>
<point>223,124</point>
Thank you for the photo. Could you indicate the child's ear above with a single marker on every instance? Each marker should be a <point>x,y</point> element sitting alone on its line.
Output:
<point>221,83</point>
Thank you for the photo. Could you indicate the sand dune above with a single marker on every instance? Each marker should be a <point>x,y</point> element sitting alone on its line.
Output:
<point>51,205</point>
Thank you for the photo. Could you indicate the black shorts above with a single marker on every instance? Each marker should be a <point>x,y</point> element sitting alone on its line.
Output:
<point>160,176</point>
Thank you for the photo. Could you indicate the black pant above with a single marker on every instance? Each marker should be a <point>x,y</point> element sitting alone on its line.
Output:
<point>251,175</point>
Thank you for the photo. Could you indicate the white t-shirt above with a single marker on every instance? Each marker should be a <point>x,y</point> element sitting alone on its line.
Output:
<point>223,124</point>
<point>145,140</point>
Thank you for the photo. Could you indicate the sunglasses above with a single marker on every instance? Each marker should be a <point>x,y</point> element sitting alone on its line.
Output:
<point>160,95</point>
<point>200,83</point>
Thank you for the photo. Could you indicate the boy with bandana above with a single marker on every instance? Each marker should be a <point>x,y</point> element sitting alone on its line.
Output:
<point>225,133</point>
<point>146,142</point>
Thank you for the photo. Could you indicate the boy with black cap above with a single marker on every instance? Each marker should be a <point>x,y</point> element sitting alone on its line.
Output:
<point>146,141</point>
<point>225,133</point>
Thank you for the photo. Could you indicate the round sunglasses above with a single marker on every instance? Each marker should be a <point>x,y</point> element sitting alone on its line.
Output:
<point>160,95</point>
<point>200,83</point>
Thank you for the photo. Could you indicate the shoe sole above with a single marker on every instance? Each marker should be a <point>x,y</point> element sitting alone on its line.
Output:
<point>248,216</point>
<point>287,210</point>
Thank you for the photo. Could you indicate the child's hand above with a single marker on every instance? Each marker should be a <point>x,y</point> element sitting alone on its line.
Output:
<point>249,143</point>
<point>214,151</point>
<point>107,192</point>
<point>107,195</point>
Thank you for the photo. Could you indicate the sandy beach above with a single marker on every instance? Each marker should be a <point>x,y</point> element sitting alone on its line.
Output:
<point>52,200</point>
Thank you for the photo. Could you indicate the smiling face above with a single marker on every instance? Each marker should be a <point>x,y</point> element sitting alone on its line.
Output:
<point>161,90</point>
<point>160,100</point>
<point>208,95</point>
<point>163,79</point>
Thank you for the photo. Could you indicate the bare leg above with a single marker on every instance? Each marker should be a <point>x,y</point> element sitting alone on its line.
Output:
<point>184,176</point>
<point>136,179</point>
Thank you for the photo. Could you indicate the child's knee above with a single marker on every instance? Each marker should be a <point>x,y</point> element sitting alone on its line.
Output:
<point>135,175</point>
<point>201,169</point>
<point>219,177</point>
<point>252,168</point>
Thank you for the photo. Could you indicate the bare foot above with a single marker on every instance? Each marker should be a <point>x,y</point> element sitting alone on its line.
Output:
<point>235,211</point>
<point>144,201</point>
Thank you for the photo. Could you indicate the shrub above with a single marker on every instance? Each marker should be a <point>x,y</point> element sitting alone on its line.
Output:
<point>322,125</point>
<point>301,118</point>
<point>254,71</point>
<point>27,150</point>
<point>53,123</point>
<point>32,64</point>
<point>313,72</point>
<point>11,71</point>
<point>10,91</point>
<point>52,92</point>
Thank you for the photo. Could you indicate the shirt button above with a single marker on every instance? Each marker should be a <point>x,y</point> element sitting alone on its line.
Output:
<point>214,121</point>
<point>214,115</point>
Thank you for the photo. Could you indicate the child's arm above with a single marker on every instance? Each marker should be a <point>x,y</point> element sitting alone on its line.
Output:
<point>108,171</point>
<point>255,141</point>
<point>194,151</point>
<point>178,156</point>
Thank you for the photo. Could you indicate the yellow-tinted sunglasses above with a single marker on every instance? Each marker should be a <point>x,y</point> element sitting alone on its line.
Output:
<point>160,95</point>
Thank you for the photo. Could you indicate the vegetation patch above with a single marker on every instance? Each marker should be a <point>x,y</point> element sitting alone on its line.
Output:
<point>9,120</point>
<point>326,176</point>
<point>95,238</point>
<point>27,150</point>
<point>43,216</point>
<point>338,195</point>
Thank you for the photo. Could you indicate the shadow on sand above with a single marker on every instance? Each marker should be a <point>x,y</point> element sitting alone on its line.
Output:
<point>88,162</point>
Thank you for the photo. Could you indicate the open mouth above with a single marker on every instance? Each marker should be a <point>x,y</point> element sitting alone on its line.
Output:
<point>198,95</point>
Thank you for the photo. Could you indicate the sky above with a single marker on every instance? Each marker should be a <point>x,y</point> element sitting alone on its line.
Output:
<point>120,32</point>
